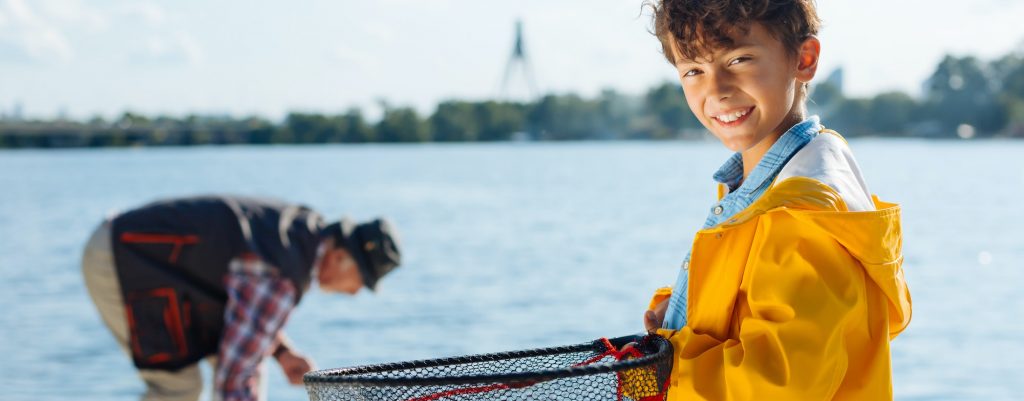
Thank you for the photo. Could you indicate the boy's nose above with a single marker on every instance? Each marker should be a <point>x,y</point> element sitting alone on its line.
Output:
<point>720,85</point>
<point>721,88</point>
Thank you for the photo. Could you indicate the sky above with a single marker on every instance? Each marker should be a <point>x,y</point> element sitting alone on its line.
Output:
<point>82,58</point>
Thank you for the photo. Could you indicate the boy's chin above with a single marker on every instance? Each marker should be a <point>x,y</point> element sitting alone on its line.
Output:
<point>741,142</point>
<point>731,139</point>
<point>736,144</point>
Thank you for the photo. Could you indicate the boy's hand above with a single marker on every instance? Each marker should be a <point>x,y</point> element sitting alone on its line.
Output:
<point>294,365</point>
<point>654,317</point>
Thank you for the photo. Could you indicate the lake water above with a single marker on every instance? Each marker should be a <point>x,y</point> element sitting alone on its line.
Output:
<point>507,246</point>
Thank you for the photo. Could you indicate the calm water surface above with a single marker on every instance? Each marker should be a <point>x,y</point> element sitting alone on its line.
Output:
<point>507,246</point>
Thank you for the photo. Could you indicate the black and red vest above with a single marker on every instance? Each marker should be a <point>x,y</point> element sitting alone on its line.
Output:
<point>172,257</point>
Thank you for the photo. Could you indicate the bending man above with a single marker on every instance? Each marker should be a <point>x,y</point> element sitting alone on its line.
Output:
<point>215,277</point>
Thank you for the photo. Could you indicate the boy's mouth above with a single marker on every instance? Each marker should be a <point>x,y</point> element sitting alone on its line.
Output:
<point>733,118</point>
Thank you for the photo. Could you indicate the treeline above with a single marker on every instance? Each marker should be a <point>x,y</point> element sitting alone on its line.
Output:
<point>660,114</point>
<point>964,97</point>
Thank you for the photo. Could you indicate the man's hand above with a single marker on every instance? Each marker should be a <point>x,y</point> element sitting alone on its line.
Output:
<point>294,365</point>
<point>654,317</point>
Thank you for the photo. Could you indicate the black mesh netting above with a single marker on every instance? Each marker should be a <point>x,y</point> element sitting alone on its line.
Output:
<point>598,370</point>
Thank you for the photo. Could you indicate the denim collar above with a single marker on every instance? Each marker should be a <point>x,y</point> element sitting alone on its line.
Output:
<point>731,173</point>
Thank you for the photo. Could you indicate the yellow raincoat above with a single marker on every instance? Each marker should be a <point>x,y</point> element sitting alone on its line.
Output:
<point>794,298</point>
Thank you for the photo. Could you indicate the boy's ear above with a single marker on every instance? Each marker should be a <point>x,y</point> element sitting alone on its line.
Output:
<point>807,59</point>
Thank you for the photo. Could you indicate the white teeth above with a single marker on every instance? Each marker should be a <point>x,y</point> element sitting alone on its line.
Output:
<point>728,118</point>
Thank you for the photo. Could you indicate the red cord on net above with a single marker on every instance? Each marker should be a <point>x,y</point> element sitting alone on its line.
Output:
<point>611,351</point>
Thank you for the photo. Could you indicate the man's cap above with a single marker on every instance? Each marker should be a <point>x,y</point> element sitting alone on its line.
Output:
<point>374,245</point>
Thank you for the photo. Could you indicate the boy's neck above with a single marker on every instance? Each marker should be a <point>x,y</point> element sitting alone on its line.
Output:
<point>753,156</point>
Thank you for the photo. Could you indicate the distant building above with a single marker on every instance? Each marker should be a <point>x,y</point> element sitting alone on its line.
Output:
<point>827,95</point>
<point>835,79</point>
<point>17,113</point>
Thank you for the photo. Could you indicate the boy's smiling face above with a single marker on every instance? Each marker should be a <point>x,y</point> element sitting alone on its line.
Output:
<point>747,93</point>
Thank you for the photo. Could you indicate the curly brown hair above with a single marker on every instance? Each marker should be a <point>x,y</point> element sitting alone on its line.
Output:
<point>699,27</point>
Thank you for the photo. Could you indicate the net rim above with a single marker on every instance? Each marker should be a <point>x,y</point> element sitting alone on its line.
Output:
<point>353,375</point>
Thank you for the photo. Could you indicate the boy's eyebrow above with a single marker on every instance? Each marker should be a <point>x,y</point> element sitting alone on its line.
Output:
<point>740,47</point>
<point>733,49</point>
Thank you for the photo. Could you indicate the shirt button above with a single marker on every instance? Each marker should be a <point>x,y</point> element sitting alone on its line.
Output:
<point>686,265</point>
<point>719,209</point>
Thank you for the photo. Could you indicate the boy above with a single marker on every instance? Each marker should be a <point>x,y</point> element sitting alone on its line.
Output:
<point>793,289</point>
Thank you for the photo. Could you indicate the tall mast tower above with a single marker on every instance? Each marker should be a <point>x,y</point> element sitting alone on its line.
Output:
<point>519,61</point>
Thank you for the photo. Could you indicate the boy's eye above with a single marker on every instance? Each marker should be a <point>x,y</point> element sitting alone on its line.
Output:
<point>738,60</point>
<point>692,72</point>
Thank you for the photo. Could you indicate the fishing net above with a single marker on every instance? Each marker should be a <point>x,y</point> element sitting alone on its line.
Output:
<point>600,370</point>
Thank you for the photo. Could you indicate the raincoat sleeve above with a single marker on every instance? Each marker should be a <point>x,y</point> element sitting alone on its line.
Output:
<point>660,295</point>
<point>798,311</point>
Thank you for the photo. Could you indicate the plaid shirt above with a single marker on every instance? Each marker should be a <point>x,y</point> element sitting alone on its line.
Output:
<point>259,301</point>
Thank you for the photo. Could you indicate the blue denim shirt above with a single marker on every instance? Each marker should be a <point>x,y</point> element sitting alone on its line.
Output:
<point>740,197</point>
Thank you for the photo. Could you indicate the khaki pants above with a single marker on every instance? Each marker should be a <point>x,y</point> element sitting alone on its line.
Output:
<point>104,289</point>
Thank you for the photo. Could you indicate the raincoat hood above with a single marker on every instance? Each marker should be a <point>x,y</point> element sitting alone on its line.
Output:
<point>792,298</point>
<point>874,238</point>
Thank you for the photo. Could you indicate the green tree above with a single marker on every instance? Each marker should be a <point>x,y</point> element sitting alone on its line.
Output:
<point>567,117</point>
<point>1009,71</point>
<point>258,130</point>
<point>312,128</point>
<point>132,120</point>
<point>669,111</point>
<point>498,121</point>
<point>354,128</point>
<point>402,124</point>
<point>960,91</point>
<point>455,121</point>
<point>850,117</point>
<point>615,112</point>
<point>891,113</point>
